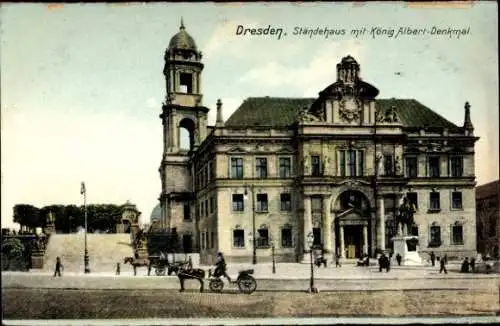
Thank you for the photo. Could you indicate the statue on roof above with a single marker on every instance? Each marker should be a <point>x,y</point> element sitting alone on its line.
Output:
<point>305,116</point>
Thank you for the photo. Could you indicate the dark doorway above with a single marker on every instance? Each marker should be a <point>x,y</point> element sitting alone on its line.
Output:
<point>187,243</point>
<point>317,237</point>
<point>353,237</point>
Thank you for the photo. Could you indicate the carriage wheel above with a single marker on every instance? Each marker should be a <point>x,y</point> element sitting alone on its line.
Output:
<point>247,284</point>
<point>160,271</point>
<point>216,285</point>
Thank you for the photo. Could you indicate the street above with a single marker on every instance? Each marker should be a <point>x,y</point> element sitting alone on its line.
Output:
<point>104,304</point>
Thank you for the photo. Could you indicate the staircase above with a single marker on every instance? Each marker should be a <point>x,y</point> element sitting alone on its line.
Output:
<point>105,250</point>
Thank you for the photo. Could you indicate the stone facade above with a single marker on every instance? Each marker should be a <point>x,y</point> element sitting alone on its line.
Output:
<point>336,167</point>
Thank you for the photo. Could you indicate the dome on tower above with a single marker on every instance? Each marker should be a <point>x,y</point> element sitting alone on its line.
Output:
<point>182,40</point>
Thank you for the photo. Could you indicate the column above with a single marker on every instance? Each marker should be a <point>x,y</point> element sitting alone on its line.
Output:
<point>342,247</point>
<point>365,239</point>
<point>380,223</point>
<point>327,225</point>
<point>307,225</point>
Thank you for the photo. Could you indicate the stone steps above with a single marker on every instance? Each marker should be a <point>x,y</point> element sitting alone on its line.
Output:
<point>105,250</point>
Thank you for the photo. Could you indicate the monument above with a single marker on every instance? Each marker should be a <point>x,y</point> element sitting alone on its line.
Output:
<point>407,246</point>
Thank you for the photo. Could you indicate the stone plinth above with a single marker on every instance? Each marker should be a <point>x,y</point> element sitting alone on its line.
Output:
<point>407,247</point>
<point>37,259</point>
<point>50,229</point>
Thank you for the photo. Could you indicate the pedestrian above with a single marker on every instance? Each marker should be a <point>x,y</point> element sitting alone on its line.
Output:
<point>433,258</point>
<point>398,259</point>
<point>337,260</point>
<point>465,266</point>
<point>442,263</point>
<point>59,266</point>
<point>472,264</point>
<point>190,263</point>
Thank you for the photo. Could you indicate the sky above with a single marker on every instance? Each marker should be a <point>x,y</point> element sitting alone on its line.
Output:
<point>82,84</point>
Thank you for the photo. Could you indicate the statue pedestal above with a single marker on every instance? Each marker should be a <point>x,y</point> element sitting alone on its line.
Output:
<point>37,259</point>
<point>407,247</point>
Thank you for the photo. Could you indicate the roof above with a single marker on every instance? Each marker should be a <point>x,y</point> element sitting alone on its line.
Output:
<point>182,40</point>
<point>489,189</point>
<point>282,112</point>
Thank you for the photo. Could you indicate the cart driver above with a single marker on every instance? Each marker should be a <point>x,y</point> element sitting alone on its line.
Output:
<point>220,267</point>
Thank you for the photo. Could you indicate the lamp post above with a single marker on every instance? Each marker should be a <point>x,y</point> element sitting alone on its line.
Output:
<point>254,254</point>
<point>310,241</point>
<point>86,252</point>
<point>272,253</point>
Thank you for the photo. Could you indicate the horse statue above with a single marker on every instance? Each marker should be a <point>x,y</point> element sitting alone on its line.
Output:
<point>186,272</point>
<point>405,216</point>
<point>136,262</point>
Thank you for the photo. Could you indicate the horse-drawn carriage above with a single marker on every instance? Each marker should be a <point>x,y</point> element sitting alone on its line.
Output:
<point>160,264</point>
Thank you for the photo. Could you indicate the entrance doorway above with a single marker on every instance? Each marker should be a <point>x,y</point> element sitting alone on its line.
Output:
<point>187,243</point>
<point>317,237</point>
<point>353,237</point>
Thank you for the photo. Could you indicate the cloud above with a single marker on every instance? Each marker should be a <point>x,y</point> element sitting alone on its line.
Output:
<point>307,80</point>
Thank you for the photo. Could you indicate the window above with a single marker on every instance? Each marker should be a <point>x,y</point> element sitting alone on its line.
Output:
<point>212,204</point>
<point>434,201</point>
<point>238,205</point>
<point>286,237</point>
<point>342,163</point>
<point>435,236</point>
<point>236,168</point>
<point>457,167</point>
<point>316,166</point>
<point>186,83</point>
<point>202,211</point>
<point>317,237</point>
<point>206,207</point>
<point>361,163</point>
<point>285,168</point>
<point>457,234</point>
<point>263,238</point>
<point>261,168</point>
<point>316,204</point>
<point>411,167</point>
<point>187,212</point>
<point>413,198</point>
<point>286,202</point>
<point>456,200</point>
<point>352,162</point>
<point>388,166</point>
<point>203,243</point>
<point>239,238</point>
<point>434,167</point>
<point>262,202</point>
<point>213,240</point>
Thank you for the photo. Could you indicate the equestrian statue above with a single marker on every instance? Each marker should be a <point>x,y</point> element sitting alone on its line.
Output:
<point>405,217</point>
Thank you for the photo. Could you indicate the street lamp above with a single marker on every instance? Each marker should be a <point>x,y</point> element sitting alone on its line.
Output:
<point>83,191</point>
<point>254,255</point>
<point>272,253</point>
<point>310,241</point>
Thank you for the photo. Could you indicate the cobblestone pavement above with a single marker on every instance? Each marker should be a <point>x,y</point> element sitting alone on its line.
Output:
<point>71,304</point>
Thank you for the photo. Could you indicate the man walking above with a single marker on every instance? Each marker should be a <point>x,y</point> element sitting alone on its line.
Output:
<point>442,263</point>
<point>433,258</point>
<point>337,260</point>
<point>398,259</point>
<point>59,266</point>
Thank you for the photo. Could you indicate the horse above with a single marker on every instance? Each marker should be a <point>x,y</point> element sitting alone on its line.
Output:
<point>135,262</point>
<point>190,274</point>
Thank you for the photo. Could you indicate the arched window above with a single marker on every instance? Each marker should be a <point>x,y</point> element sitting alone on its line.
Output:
<point>186,134</point>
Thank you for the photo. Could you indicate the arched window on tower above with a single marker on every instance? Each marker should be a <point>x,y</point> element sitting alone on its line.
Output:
<point>186,134</point>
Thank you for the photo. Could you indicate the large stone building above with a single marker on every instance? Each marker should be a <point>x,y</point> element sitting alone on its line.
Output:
<point>488,218</point>
<point>336,167</point>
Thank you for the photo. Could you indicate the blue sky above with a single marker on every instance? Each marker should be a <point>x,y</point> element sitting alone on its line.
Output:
<point>82,84</point>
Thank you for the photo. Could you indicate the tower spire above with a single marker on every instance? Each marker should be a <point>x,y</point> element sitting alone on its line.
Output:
<point>182,24</point>
<point>467,121</point>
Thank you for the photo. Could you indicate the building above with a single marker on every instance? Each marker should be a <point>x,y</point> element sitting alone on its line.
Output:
<point>488,218</point>
<point>337,167</point>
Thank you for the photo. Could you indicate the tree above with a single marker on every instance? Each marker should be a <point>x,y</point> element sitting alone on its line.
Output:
<point>13,254</point>
<point>27,215</point>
